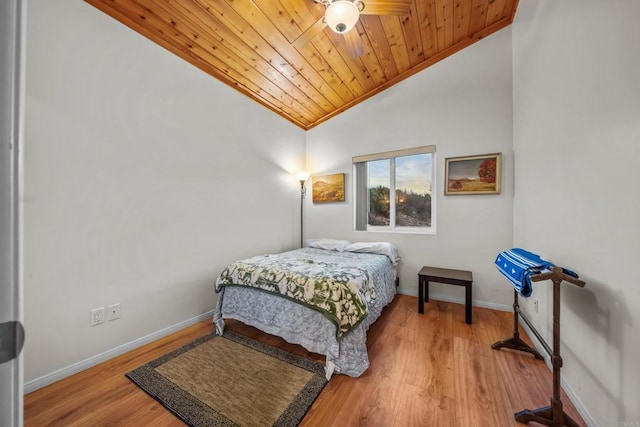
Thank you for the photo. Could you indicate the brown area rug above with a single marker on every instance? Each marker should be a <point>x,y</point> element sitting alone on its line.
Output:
<point>232,380</point>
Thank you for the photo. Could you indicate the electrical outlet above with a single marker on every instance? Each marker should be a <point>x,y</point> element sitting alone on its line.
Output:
<point>97,316</point>
<point>113,312</point>
<point>535,305</point>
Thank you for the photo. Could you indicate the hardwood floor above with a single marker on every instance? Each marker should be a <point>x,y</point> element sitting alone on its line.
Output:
<point>430,369</point>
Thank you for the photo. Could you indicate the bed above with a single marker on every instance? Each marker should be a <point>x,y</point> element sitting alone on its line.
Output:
<point>323,297</point>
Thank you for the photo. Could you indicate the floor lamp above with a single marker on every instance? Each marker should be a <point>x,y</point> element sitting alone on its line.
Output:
<point>302,177</point>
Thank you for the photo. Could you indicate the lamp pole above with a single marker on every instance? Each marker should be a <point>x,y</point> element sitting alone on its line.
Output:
<point>302,177</point>
<point>302,193</point>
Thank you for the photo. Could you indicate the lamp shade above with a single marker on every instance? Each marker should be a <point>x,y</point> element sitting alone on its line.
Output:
<point>303,175</point>
<point>341,15</point>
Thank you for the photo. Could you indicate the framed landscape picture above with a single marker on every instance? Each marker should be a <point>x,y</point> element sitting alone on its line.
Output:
<point>473,174</point>
<point>328,188</point>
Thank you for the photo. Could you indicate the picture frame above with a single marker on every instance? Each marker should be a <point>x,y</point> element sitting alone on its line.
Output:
<point>479,174</point>
<point>328,188</point>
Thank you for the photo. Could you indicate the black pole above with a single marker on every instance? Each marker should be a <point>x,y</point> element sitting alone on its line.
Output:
<point>302,213</point>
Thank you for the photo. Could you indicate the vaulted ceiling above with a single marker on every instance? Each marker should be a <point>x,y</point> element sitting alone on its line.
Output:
<point>255,46</point>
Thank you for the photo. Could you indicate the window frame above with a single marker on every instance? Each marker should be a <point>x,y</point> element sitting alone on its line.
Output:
<point>361,191</point>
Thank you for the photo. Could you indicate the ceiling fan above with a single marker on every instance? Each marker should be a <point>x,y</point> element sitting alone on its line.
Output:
<point>342,15</point>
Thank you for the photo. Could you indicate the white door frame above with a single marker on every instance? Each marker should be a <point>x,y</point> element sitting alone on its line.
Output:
<point>12,95</point>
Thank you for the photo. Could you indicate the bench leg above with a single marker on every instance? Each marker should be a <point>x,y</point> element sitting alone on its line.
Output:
<point>420,295</point>
<point>426,290</point>
<point>468,295</point>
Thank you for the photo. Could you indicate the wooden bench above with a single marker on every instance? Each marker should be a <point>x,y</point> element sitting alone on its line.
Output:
<point>448,276</point>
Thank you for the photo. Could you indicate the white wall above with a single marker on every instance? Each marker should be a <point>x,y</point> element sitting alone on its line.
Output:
<point>144,177</point>
<point>463,106</point>
<point>577,149</point>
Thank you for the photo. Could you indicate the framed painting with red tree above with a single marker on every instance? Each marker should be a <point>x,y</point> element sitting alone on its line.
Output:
<point>480,174</point>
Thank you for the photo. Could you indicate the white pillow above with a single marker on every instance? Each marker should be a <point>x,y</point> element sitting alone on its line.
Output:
<point>380,248</point>
<point>328,244</point>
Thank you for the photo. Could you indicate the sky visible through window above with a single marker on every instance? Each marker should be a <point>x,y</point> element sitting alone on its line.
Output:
<point>379,173</point>
<point>413,173</point>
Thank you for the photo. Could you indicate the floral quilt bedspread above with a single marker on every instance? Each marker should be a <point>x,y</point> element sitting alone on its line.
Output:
<point>326,283</point>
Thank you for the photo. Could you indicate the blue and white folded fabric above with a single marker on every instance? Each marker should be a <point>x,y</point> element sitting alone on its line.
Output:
<point>519,265</point>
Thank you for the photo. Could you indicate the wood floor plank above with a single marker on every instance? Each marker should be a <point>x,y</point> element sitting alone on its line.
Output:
<point>428,369</point>
<point>480,394</point>
<point>421,408</point>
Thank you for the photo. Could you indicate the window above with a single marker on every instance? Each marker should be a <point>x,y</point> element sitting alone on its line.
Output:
<point>405,174</point>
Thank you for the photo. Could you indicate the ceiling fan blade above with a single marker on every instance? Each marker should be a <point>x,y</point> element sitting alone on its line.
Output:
<point>386,7</point>
<point>354,43</point>
<point>309,34</point>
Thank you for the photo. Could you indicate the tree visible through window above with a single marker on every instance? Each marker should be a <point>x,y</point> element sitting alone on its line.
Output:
<point>379,184</point>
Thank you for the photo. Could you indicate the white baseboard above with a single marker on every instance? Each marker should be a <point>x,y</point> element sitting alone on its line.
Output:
<point>460,300</point>
<point>47,379</point>
<point>475,303</point>
<point>566,386</point>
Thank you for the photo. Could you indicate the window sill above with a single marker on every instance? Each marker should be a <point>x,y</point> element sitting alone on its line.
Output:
<point>430,231</point>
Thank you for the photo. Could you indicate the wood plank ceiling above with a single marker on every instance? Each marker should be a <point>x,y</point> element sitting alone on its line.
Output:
<point>248,44</point>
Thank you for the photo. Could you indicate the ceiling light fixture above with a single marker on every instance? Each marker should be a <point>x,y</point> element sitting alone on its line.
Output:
<point>342,15</point>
